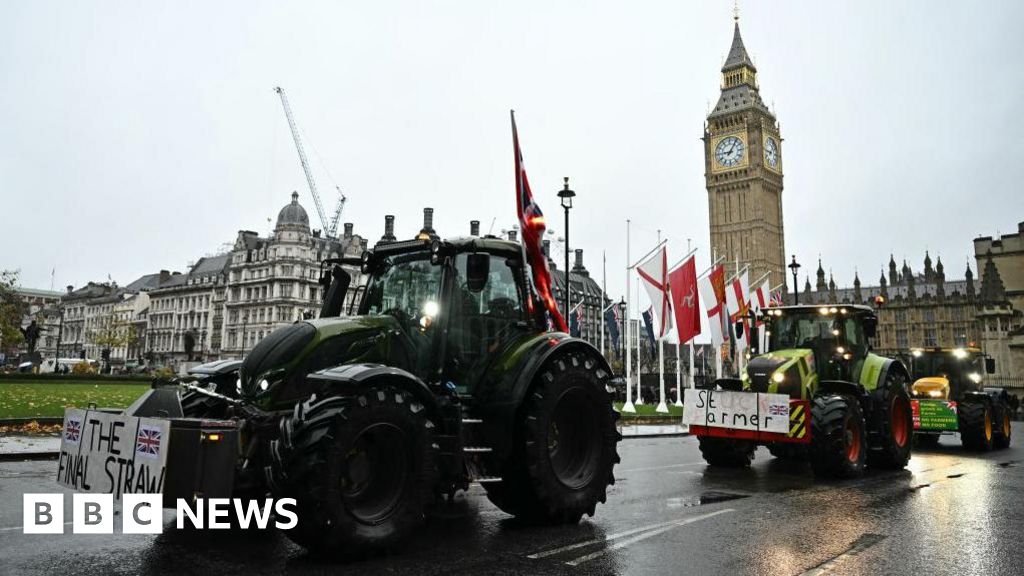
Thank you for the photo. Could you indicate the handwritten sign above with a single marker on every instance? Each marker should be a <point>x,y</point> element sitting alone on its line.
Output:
<point>737,410</point>
<point>112,453</point>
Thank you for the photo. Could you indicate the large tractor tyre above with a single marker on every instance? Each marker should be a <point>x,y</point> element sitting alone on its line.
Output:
<point>1001,429</point>
<point>726,452</point>
<point>361,469</point>
<point>976,425</point>
<point>838,437</point>
<point>788,451</point>
<point>565,449</point>
<point>894,426</point>
<point>925,440</point>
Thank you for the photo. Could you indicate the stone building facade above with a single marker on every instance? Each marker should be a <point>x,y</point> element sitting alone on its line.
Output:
<point>743,171</point>
<point>918,309</point>
<point>273,281</point>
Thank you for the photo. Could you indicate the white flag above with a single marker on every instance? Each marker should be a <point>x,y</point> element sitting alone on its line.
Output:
<point>654,273</point>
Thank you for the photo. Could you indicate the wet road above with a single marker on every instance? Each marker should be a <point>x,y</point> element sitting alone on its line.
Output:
<point>950,512</point>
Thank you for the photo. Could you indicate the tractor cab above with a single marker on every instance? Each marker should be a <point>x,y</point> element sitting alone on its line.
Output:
<point>808,344</point>
<point>946,373</point>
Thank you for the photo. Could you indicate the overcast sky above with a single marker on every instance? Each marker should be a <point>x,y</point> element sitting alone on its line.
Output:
<point>141,136</point>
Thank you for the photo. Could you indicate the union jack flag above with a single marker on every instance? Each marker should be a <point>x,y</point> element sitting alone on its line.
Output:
<point>148,441</point>
<point>73,431</point>
<point>531,220</point>
<point>778,410</point>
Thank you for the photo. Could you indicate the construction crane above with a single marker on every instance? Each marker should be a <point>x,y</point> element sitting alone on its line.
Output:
<point>330,226</point>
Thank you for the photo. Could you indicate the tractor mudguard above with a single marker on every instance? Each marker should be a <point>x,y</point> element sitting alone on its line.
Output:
<point>974,396</point>
<point>217,368</point>
<point>730,384</point>
<point>889,366</point>
<point>510,378</point>
<point>348,379</point>
<point>841,387</point>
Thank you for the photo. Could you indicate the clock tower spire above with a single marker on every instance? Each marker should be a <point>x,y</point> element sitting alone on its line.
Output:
<point>743,170</point>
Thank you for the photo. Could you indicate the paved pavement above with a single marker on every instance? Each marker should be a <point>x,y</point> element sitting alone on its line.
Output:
<point>950,512</point>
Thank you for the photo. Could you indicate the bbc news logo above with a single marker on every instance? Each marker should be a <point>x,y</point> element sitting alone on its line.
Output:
<point>143,513</point>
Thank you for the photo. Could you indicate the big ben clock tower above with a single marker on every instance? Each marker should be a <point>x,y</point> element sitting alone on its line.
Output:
<point>743,171</point>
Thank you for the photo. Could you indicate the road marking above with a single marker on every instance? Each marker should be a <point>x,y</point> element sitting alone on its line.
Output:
<point>644,536</point>
<point>861,544</point>
<point>701,463</point>
<point>22,527</point>
<point>660,526</point>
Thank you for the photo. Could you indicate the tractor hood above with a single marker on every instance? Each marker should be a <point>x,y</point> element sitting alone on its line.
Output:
<point>778,371</point>
<point>292,351</point>
<point>931,387</point>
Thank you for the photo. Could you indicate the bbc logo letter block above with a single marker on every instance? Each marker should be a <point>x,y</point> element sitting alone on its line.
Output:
<point>113,454</point>
<point>737,410</point>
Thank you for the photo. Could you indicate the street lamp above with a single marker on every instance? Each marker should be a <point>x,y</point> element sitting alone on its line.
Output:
<point>793,267</point>
<point>622,333</point>
<point>566,196</point>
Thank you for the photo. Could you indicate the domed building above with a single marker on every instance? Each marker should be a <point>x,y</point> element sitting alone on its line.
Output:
<point>273,280</point>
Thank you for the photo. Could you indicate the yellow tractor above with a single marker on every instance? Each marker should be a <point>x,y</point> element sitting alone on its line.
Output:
<point>949,396</point>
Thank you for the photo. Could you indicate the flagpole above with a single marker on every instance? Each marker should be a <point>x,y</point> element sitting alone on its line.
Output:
<point>718,351</point>
<point>656,248</point>
<point>639,371</point>
<point>679,369</point>
<point>604,291</point>
<point>628,405</point>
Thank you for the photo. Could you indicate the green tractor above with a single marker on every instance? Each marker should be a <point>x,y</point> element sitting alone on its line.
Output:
<point>949,395</point>
<point>441,377</point>
<point>818,393</point>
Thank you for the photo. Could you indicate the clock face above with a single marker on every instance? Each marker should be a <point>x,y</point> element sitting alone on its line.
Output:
<point>729,151</point>
<point>771,152</point>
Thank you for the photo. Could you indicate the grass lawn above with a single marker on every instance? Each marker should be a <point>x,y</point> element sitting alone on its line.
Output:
<point>647,411</point>
<point>48,399</point>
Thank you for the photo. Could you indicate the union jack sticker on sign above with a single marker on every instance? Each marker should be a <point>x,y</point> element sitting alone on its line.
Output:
<point>73,431</point>
<point>147,443</point>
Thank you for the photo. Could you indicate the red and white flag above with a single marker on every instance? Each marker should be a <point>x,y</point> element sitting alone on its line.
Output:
<point>683,286</point>
<point>760,300</point>
<point>531,221</point>
<point>654,273</point>
<point>712,292</point>
<point>737,301</point>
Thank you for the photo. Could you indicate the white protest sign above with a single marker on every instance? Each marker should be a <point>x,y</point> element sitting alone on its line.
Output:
<point>112,453</point>
<point>737,410</point>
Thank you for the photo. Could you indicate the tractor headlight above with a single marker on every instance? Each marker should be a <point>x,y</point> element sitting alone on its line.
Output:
<point>264,384</point>
<point>975,377</point>
<point>778,377</point>
<point>935,393</point>
<point>238,385</point>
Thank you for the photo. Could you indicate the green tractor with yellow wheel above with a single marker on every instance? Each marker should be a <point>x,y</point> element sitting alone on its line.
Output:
<point>950,396</point>
<point>817,393</point>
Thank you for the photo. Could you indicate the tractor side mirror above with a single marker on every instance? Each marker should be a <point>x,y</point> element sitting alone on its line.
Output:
<point>478,270</point>
<point>990,365</point>
<point>870,326</point>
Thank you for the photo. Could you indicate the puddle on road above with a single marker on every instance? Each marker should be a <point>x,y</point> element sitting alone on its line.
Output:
<point>1009,464</point>
<point>711,497</point>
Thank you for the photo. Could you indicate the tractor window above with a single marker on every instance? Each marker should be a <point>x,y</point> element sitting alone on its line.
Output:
<point>482,322</point>
<point>405,287</point>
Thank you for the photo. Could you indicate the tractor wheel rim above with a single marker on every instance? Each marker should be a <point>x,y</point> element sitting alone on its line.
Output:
<point>988,425</point>
<point>574,445</point>
<point>900,428</point>
<point>375,472</point>
<point>852,441</point>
